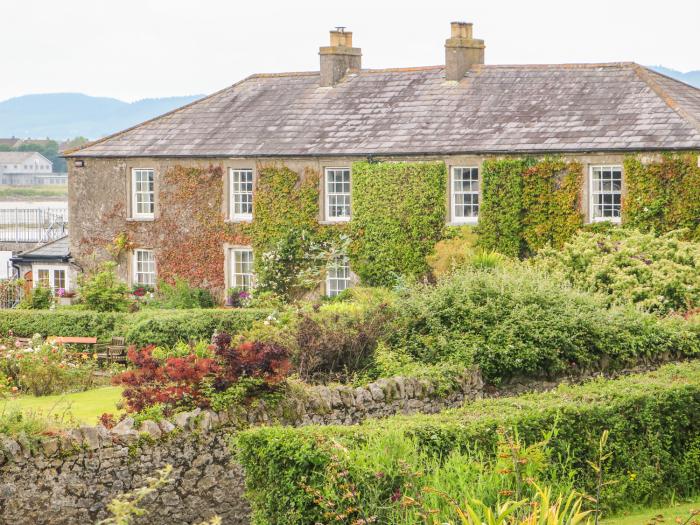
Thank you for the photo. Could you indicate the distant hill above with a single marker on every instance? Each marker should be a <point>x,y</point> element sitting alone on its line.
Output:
<point>66,115</point>
<point>691,77</point>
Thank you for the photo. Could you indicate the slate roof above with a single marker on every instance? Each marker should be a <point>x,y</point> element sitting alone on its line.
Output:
<point>58,250</point>
<point>15,157</point>
<point>494,109</point>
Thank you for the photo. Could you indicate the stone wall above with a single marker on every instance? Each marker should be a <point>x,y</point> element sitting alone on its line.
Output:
<point>68,479</point>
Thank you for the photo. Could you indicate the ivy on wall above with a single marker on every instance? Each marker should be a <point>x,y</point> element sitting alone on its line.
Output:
<point>664,195</point>
<point>398,214</point>
<point>528,204</point>
<point>500,212</point>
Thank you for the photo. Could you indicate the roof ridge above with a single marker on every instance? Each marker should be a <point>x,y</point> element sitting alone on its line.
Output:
<point>74,151</point>
<point>646,75</point>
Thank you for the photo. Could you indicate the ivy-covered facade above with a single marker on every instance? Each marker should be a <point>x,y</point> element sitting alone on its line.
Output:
<point>310,182</point>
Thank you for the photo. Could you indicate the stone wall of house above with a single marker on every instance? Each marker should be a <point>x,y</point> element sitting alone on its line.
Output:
<point>68,479</point>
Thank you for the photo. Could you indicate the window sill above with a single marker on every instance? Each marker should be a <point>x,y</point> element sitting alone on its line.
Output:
<point>611,221</point>
<point>463,223</point>
<point>140,219</point>
<point>326,221</point>
<point>238,220</point>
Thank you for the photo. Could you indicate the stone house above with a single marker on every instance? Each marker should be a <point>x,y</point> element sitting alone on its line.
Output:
<point>462,113</point>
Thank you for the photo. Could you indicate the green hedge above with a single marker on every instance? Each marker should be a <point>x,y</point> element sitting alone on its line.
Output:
<point>398,214</point>
<point>162,327</point>
<point>654,441</point>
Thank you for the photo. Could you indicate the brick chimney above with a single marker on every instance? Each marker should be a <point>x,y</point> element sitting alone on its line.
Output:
<point>339,58</point>
<point>462,51</point>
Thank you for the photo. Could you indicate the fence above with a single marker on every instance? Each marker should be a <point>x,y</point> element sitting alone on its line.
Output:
<point>10,293</point>
<point>33,225</point>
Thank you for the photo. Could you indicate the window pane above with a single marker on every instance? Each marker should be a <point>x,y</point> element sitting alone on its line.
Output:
<point>144,196</point>
<point>241,193</point>
<point>338,278</point>
<point>606,192</point>
<point>465,194</point>
<point>338,193</point>
<point>145,264</point>
<point>242,268</point>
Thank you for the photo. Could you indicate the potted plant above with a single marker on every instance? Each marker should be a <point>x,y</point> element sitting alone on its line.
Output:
<point>65,297</point>
<point>237,298</point>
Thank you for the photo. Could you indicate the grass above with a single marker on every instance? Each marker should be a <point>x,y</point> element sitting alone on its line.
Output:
<point>60,190</point>
<point>83,407</point>
<point>655,515</point>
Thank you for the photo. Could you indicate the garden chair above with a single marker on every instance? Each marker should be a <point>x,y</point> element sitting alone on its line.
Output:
<point>114,352</point>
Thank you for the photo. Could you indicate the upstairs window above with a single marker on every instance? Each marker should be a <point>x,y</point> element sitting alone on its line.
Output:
<point>338,276</point>
<point>144,268</point>
<point>606,193</point>
<point>143,193</point>
<point>241,183</point>
<point>242,268</point>
<point>338,194</point>
<point>465,195</point>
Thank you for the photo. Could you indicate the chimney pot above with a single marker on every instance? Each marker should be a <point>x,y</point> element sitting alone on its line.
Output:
<point>462,51</point>
<point>339,58</point>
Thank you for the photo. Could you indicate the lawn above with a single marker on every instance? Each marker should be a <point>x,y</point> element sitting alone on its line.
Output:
<point>655,515</point>
<point>59,190</point>
<point>83,407</point>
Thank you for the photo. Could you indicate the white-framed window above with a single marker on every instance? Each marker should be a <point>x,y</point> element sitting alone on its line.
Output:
<point>53,277</point>
<point>338,207</point>
<point>242,275</point>
<point>338,276</point>
<point>143,193</point>
<point>606,193</point>
<point>241,184</point>
<point>464,197</point>
<point>144,268</point>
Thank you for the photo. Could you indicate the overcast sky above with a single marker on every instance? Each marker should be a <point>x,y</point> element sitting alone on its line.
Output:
<point>133,49</point>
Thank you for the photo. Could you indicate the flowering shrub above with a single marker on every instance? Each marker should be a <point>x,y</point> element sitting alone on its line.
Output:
<point>237,298</point>
<point>179,382</point>
<point>46,368</point>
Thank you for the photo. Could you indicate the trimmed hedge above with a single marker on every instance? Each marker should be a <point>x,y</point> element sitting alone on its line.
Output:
<point>160,327</point>
<point>654,441</point>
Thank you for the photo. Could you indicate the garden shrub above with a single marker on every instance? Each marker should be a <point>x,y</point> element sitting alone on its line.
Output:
<point>39,298</point>
<point>518,321</point>
<point>657,274</point>
<point>103,291</point>
<point>45,368</point>
<point>63,322</point>
<point>191,381</point>
<point>663,195</point>
<point>653,436</point>
<point>453,251</point>
<point>529,204</point>
<point>181,295</point>
<point>398,214</point>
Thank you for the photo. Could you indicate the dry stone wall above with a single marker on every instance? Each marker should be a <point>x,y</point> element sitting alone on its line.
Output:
<point>68,479</point>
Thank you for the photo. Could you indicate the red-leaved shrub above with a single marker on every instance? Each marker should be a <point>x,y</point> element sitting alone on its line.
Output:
<point>186,381</point>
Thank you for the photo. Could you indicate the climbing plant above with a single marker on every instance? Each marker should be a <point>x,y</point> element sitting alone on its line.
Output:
<point>528,204</point>
<point>500,212</point>
<point>398,214</point>
<point>663,195</point>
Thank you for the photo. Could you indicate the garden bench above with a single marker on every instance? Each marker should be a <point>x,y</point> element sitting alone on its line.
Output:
<point>114,352</point>
<point>62,340</point>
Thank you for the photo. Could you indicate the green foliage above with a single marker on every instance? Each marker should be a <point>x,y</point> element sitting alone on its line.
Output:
<point>515,321</point>
<point>103,291</point>
<point>166,328</point>
<point>650,418</point>
<point>528,204</point>
<point>453,251</point>
<point>664,195</point>
<point>182,296</point>
<point>398,214</point>
<point>182,349</point>
<point>40,298</point>
<point>150,326</point>
<point>500,213</point>
<point>657,274</point>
